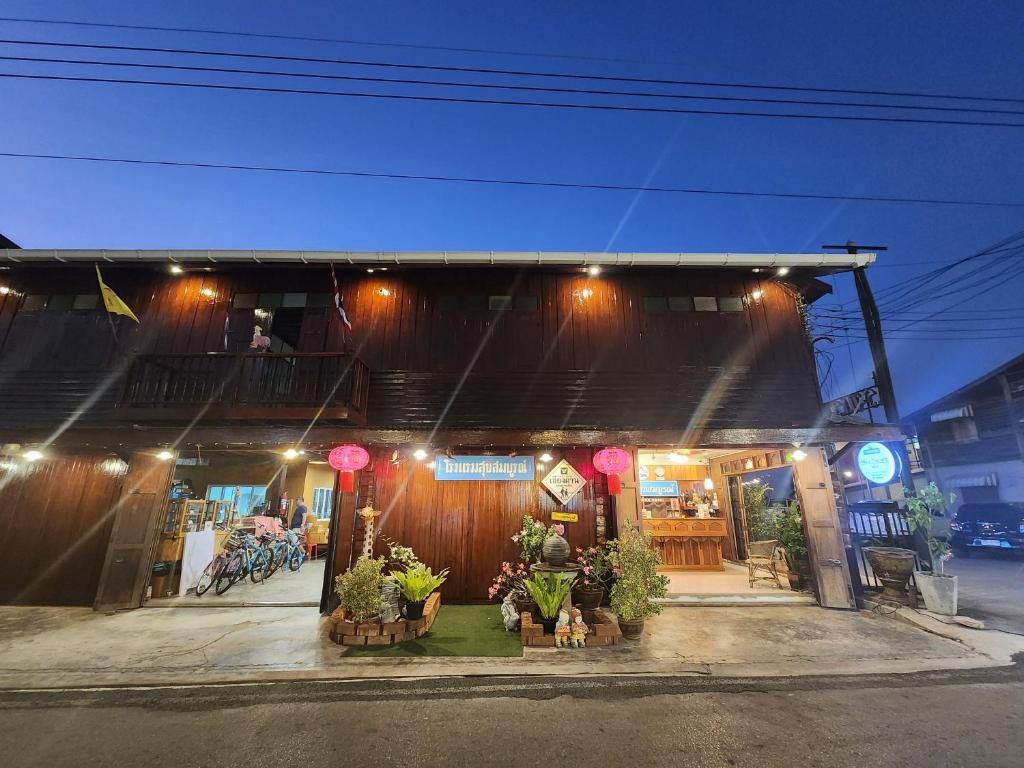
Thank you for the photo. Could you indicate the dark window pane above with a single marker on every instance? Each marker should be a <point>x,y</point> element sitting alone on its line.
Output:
<point>60,303</point>
<point>680,303</point>
<point>245,300</point>
<point>448,303</point>
<point>526,303</point>
<point>86,301</point>
<point>730,304</point>
<point>499,302</point>
<point>474,303</point>
<point>294,300</point>
<point>319,299</point>
<point>705,303</point>
<point>269,300</point>
<point>655,304</point>
<point>34,303</point>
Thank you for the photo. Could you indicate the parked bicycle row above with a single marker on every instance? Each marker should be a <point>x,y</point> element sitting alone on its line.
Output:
<point>259,558</point>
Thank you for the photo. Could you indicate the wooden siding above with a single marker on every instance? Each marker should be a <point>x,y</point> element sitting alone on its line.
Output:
<point>574,361</point>
<point>466,525</point>
<point>56,518</point>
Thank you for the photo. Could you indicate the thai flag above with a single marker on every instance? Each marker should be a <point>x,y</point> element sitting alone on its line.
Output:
<point>339,300</point>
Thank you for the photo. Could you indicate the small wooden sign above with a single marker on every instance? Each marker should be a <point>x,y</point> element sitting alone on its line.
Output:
<point>565,517</point>
<point>563,481</point>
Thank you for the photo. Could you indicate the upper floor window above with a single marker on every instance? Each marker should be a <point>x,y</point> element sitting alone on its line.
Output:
<point>493,303</point>
<point>59,302</point>
<point>658,304</point>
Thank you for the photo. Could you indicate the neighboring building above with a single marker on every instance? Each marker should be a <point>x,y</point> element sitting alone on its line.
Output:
<point>972,441</point>
<point>528,358</point>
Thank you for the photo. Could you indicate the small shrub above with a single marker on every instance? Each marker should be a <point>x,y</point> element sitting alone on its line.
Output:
<point>639,580</point>
<point>359,588</point>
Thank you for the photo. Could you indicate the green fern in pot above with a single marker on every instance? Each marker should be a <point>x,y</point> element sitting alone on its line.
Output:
<point>416,584</point>
<point>548,592</point>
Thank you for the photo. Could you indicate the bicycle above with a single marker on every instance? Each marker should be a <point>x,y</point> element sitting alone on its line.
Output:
<point>250,559</point>
<point>213,570</point>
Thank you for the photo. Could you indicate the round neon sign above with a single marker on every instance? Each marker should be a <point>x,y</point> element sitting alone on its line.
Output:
<point>877,463</point>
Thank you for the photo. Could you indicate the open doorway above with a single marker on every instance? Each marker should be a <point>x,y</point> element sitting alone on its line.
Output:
<point>243,528</point>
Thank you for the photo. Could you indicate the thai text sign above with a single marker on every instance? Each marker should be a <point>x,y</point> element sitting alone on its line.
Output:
<point>565,517</point>
<point>483,468</point>
<point>659,488</point>
<point>563,481</point>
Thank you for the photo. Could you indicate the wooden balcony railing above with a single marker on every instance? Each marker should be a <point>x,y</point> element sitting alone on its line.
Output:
<point>250,387</point>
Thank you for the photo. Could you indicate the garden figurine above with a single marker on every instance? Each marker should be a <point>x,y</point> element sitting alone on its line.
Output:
<point>578,630</point>
<point>562,630</point>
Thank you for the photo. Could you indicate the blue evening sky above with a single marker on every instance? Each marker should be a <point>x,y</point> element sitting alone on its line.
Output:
<point>952,47</point>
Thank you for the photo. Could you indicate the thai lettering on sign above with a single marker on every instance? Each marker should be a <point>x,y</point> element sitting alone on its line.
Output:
<point>483,468</point>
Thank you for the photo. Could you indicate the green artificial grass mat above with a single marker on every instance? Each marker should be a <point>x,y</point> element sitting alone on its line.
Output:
<point>458,630</point>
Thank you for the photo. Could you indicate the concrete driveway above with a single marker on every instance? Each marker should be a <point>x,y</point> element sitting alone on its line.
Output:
<point>991,589</point>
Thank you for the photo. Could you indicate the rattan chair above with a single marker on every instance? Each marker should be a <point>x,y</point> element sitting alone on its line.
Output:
<point>761,558</point>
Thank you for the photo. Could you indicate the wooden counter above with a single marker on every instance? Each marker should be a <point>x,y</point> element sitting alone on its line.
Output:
<point>688,544</point>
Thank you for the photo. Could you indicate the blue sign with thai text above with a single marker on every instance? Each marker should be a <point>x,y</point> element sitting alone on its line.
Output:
<point>659,488</point>
<point>483,468</point>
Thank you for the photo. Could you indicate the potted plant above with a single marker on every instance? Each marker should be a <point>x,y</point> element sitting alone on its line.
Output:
<point>359,589</point>
<point>417,583</point>
<point>531,539</point>
<point>790,533</point>
<point>638,582</point>
<point>595,569</point>
<point>938,588</point>
<point>509,583</point>
<point>549,592</point>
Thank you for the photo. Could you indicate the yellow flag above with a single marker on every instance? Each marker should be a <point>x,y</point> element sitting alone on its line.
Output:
<point>112,301</point>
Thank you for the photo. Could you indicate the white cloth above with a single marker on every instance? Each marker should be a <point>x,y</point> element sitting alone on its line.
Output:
<point>196,555</point>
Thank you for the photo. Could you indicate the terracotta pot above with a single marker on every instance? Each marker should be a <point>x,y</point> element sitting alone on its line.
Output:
<point>632,630</point>
<point>556,550</point>
<point>892,566</point>
<point>794,580</point>
<point>589,598</point>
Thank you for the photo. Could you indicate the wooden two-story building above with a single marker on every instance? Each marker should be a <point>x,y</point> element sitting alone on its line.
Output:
<point>242,366</point>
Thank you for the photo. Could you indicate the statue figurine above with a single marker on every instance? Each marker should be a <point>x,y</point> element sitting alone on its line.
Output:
<point>578,630</point>
<point>562,631</point>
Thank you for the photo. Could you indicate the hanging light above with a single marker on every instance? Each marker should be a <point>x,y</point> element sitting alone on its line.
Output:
<point>782,271</point>
<point>33,455</point>
<point>165,455</point>
<point>545,457</point>
<point>176,269</point>
<point>594,271</point>
<point>419,454</point>
<point>709,484</point>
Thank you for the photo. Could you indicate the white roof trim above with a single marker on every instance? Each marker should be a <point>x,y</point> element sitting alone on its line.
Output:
<point>539,258</point>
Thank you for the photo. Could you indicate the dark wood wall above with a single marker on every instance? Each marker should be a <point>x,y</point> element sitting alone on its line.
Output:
<point>467,525</point>
<point>434,348</point>
<point>55,519</point>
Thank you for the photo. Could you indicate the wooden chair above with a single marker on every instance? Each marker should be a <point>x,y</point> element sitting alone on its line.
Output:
<point>761,558</point>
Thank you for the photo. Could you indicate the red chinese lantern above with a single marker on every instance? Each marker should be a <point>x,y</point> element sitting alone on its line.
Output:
<point>348,459</point>
<point>612,461</point>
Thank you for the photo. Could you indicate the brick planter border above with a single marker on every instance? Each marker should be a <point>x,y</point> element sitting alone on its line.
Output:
<point>604,631</point>
<point>345,632</point>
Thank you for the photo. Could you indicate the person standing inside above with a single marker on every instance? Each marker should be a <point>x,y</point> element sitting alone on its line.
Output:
<point>299,516</point>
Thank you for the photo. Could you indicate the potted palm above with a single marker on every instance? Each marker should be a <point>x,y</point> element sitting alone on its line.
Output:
<point>416,584</point>
<point>359,589</point>
<point>637,584</point>
<point>790,533</point>
<point>939,589</point>
<point>549,592</point>
<point>595,569</point>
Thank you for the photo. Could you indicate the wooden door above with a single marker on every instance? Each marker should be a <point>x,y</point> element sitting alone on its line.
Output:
<point>814,491</point>
<point>137,516</point>
<point>739,524</point>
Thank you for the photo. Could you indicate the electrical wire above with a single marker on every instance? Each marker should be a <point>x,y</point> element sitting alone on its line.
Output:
<point>517,103</point>
<point>506,86</point>
<point>506,181</point>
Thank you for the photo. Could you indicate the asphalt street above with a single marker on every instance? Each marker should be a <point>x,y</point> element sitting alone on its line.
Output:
<point>991,588</point>
<point>966,718</point>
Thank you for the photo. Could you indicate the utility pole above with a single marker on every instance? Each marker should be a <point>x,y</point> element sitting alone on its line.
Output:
<point>873,325</point>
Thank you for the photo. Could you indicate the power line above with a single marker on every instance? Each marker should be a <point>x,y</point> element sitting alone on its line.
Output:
<point>511,87</point>
<point>513,72</point>
<point>517,103</point>
<point>498,181</point>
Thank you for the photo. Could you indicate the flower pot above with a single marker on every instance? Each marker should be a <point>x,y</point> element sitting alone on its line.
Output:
<point>525,605</point>
<point>556,550</point>
<point>939,591</point>
<point>892,566</point>
<point>589,598</point>
<point>632,630</point>
<point>794,580</point>
<point>414,610</point>
<point>549,625</point>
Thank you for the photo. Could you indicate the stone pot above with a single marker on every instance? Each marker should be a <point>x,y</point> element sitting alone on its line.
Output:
<point>892,566</point>
<point>632,630</point>
<point>525,605</point>
<point>939,591</point>
<point>589,598</point>
<point>556,550</point>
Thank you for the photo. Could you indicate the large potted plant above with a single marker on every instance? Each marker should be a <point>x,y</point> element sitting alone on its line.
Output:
<point>416,584</point>
<point>595,570</point>
<point>359,589</point>
<point>637,584</point>
<point>530,539</point>
<point>509,584</point>
<point>790,533</point>
<point>549,592</point>
<point>939,589</point>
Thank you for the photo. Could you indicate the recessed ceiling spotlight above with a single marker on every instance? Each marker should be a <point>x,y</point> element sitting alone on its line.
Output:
<point>756,270</point>
<point>176,269</point>
<point>370,270</point>
<point>545,457</point>
<point>419,454</point>
<point>594,271</point>
<point>783,271</point>
<point>165,455</point>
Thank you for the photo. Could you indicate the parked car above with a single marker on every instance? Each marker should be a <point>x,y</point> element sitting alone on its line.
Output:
<point>991,527</point>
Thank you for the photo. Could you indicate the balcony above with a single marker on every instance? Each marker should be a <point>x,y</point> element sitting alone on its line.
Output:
<point>250,387</point>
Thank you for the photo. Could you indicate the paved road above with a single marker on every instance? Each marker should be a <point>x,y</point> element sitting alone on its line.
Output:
<point>939,719</point>
<point>991,588</point>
